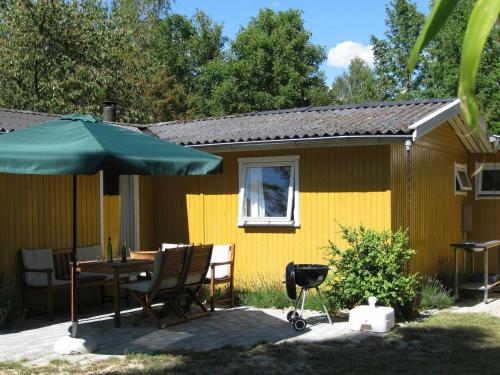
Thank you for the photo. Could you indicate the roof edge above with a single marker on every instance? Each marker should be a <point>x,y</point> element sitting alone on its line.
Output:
<point>26,112</point>
<point>333,141</point>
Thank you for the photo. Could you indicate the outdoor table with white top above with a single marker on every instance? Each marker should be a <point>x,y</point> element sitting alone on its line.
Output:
<point>475,247</point>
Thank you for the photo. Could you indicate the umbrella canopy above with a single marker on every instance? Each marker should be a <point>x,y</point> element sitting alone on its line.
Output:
<point>77,144</point>
<point>82,144</point>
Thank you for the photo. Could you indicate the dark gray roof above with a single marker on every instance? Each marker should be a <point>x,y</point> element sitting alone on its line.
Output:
<point>384,118</point>
<point>11,119</point>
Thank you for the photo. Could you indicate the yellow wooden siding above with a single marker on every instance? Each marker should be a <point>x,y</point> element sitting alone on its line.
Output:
<point>36,213</point>
<point>485,215</point>
<point>435,219</point>
<point>146,205</point>
<point>111,213</point>
<point>346,185</point>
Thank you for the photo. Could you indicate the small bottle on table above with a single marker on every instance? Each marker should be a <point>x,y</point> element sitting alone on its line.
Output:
<point>124,253</point>
<point>110,251</point>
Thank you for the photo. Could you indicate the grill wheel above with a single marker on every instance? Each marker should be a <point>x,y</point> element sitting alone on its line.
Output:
<point>299,324</point>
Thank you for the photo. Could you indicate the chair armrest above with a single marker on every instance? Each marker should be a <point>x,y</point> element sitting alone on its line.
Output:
<point>212,265</point>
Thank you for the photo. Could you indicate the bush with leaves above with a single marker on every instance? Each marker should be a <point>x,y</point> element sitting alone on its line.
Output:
<point>434,294</point>
<point>374,264</point>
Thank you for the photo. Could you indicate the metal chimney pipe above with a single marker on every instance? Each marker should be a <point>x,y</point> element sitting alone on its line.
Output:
<point>109,111</point>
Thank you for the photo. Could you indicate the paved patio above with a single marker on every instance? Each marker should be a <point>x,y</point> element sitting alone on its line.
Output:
<point>33,339</point>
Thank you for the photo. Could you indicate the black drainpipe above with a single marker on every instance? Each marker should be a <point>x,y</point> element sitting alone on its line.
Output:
<point>408,147</point>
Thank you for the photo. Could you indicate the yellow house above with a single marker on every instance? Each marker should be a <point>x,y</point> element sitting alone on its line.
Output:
<point>290,178</point>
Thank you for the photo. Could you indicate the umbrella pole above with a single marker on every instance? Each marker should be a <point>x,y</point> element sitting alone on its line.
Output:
<point>74,305</point>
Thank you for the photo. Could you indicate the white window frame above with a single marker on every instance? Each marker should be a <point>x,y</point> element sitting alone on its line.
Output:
<point>292,219</point>
<point>463,189</point>
<point>485,194</point>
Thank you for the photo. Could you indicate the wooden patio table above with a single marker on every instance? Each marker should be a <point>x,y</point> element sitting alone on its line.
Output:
<point>116,268</point>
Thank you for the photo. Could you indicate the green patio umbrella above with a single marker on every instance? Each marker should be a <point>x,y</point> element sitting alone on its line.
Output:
<point>83,145</point>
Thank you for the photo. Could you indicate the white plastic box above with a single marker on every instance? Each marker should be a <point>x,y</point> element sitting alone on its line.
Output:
<point>371,318</point>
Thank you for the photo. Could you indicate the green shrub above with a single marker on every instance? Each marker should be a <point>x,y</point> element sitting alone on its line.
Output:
<point>374,264</point>
<point>434,294</point>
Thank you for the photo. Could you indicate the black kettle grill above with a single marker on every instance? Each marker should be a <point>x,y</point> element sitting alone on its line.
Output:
<point>307,276</point>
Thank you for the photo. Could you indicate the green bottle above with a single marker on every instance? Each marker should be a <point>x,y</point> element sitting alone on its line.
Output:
<point>124,253</point>
<point>110,250</point>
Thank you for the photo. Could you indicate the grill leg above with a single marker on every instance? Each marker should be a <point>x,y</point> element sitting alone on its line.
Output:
<point>303,302</point>
<point>324,306</point>
<point>297,301</point>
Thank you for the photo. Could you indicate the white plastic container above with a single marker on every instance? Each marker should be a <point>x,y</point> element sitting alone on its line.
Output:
<point>371,318</point>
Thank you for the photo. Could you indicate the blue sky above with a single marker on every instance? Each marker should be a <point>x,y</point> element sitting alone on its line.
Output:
<point>346,25</point>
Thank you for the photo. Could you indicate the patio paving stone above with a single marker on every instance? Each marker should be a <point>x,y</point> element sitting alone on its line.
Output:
<point>33,339</point>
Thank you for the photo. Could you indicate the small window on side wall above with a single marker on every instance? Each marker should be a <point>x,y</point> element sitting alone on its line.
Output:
<point>488,181</point>
<point>269,191</point>
<point>462,181</point>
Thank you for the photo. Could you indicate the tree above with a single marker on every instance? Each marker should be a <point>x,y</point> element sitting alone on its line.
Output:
<point>404,23</point>
<point>480,37</point>
<point>54,55</point>
<point>270,64</point>
<point>357,85</point>
<point>182,47</point>
<point>61,56</point>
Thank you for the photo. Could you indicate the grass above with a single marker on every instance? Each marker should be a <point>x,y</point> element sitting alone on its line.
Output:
<point>265,293</point>
<point>435,295</point>
<point>442,344</point>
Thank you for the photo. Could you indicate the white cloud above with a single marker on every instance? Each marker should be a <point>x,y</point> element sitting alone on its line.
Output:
<point>341,55</point>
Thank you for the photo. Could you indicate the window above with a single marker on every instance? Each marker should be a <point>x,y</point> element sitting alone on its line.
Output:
<point>462,181</point>
<point>488,180</point>
<point>269,191</point>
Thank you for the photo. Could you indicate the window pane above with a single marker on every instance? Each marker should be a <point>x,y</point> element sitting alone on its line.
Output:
<point>491,180</point>
<point>464,179</point>
<point>266,191</point>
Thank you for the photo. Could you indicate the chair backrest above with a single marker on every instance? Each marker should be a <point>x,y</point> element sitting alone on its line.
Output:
<point>89,253</point>
<point>222,253</point>
<point>169,268</point>
<point>165,245</point>
<point>199,264</point>
<point>37,259</point>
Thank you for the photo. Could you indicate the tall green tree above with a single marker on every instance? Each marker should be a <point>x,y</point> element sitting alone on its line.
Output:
<point>62,56</point>
<point>357,85</point>
<point>182,47</point>
<point>391,53</point>
<point>271,64</point>
<point>54,55</point>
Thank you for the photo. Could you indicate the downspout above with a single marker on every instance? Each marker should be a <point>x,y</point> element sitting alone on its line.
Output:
<point>408,147</point>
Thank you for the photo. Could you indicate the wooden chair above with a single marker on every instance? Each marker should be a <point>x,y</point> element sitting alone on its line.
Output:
<point>169,274</point>
<point>221,272</point>
<point>196,273</point>
<point>47,270</point>
<point>39,274</point>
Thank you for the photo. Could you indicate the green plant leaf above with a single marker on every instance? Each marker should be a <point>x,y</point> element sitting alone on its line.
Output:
<point>482,19</point>
<point>440,12</point>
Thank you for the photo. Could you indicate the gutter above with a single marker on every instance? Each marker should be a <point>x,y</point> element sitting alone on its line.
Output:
<point>332,141</point>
